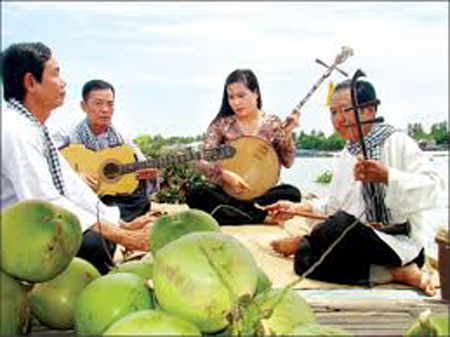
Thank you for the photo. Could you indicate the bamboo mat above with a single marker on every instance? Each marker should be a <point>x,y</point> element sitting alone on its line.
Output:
<point>257,238</point>
<point>280,270</point>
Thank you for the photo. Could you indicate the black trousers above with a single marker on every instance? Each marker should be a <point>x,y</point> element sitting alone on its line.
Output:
<point>97,250</point>
<point>350,260</point>
<point>130,205</point>
<point>228,210</point>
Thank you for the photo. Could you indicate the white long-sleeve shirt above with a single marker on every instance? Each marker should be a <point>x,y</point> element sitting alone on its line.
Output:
<point>25,174</point>
<point>413,188</point>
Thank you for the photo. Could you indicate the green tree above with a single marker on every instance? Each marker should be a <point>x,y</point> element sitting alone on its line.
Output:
<point>439,132</point>
<point>175,180</point>
<point>334,143</point>
<point>416,131</point>
<point>318,141</point>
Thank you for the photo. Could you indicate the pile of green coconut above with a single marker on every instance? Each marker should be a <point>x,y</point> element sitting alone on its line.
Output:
<point>194,281</point>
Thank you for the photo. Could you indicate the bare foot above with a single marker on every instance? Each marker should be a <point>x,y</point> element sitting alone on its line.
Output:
<point>413,276</point>
<point>286,246</point>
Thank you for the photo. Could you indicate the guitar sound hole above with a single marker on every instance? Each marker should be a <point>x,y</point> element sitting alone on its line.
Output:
<point>111,170</point>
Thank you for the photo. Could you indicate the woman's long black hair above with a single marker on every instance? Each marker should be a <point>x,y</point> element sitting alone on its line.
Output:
<point>248,78</point>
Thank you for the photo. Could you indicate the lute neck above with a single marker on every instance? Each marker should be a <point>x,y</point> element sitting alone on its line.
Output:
<point>300,105</point>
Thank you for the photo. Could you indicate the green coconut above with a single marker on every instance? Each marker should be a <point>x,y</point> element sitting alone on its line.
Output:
<point>53,302</point>
<point>264,282</point>
<point>173,226</point>
<point>430,324</point>
<point>318,331</point>
<point>38,240</point>
<point>152,323</point>
<point>291,310</point>
<point>109,298</point>
<point>201,276</point>
<point>13,306</point>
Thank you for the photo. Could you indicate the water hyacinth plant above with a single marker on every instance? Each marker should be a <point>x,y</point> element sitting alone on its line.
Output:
<point>324,177</point>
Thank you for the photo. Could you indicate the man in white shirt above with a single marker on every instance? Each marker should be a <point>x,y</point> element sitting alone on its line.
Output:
<point>96,133</point>
<point>375,208</point>
<point>32,168</point>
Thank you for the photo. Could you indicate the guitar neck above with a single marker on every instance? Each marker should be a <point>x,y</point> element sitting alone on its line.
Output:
<point>161,162</point>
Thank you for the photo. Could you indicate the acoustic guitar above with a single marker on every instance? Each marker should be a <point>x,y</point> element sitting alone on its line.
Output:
<point>256,161</point>
<point>115,168</point>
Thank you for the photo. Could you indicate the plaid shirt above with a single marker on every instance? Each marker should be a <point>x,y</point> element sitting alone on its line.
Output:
<point>374,194</point>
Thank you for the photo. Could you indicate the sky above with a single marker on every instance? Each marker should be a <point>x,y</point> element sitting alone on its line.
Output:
<point>168,61</point>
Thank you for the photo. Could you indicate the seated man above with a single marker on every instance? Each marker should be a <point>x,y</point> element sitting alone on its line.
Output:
<point>376,243</point>
<point>32,168</point>
<point>97,133</point>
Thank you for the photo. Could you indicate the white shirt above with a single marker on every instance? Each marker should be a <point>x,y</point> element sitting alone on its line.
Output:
<point>25,174</point>
<point>413,188</point>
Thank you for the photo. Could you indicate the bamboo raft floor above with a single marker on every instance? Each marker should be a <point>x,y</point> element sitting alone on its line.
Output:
<point>362,312</point>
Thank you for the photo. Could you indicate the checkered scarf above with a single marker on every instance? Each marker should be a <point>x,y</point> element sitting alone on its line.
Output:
<point>86,136</point>
<point>51,154</point>
<point>374,193</point>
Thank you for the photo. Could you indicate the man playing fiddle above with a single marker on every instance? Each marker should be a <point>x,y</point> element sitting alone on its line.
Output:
<point>376,205</point>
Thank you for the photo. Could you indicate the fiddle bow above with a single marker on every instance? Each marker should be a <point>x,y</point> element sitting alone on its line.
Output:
<point>375,202</point>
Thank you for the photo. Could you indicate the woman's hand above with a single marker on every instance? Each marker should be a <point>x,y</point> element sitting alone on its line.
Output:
<point>235,182</point>
<point>292,122</point>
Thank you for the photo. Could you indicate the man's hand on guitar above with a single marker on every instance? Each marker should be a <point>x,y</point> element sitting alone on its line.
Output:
<point>235,182</point>
<point>90,181</point>
<point>147,174</point>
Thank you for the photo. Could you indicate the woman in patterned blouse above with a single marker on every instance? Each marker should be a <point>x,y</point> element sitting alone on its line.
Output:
<point>241,115</point>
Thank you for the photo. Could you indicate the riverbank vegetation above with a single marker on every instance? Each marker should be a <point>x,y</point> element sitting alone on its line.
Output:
<point>176,180</point>
<point>315,140</point>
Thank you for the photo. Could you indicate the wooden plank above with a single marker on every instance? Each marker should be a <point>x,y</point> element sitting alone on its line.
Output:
<point>377,318</point>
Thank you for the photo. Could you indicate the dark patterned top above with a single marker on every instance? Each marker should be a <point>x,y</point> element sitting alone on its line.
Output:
<point>227,129</point>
